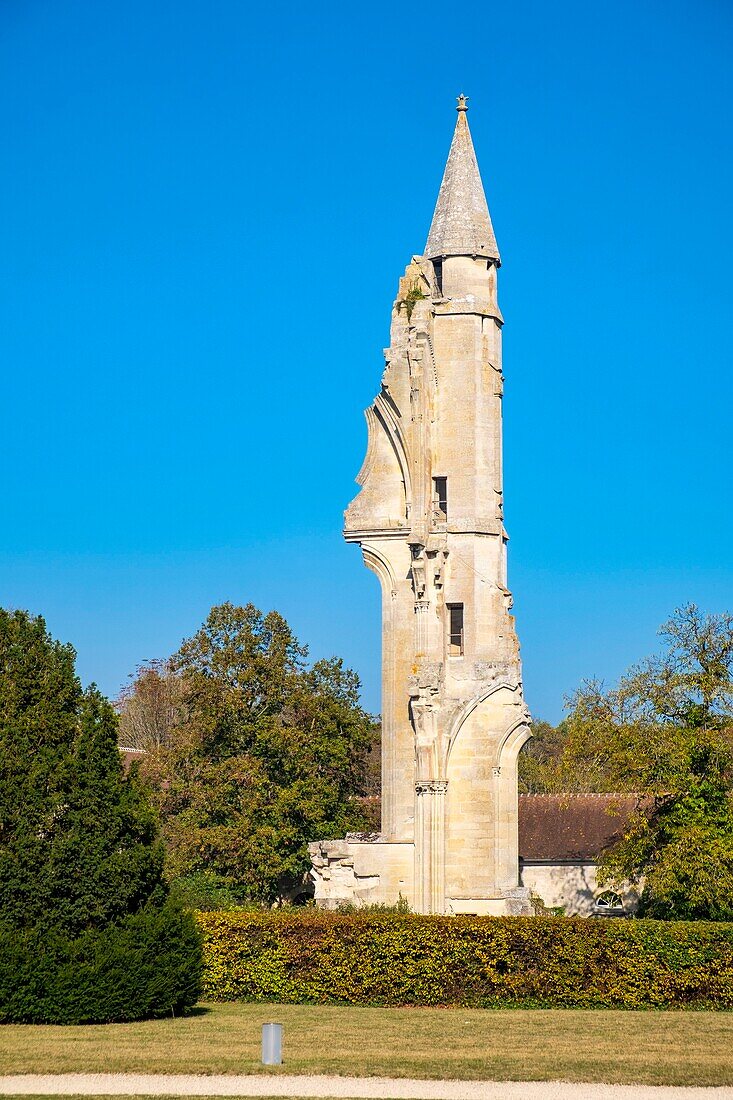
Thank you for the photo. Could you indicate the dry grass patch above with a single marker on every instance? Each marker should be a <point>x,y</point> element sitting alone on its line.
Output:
<point>675,1048</point>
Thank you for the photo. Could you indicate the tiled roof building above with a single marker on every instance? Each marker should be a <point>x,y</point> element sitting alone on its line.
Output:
<point>560,828</point>
<point>561,839</point>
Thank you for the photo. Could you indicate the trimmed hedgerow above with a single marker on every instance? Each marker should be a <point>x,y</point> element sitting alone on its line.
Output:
<point>147,965</point>
<point>396,959</point>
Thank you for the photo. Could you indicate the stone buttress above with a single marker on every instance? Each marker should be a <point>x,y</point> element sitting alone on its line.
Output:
<point>430,522</point>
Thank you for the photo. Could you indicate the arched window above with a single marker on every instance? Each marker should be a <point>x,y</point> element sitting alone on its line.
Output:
<point>609,901</point>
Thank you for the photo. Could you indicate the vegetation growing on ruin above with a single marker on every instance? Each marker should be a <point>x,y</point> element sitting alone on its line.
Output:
<point>413,296</point>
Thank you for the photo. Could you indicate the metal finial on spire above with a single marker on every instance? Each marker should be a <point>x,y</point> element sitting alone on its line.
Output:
<point>462,102</point>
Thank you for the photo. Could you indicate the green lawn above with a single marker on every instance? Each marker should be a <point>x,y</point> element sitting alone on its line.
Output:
<point>676,1048</point>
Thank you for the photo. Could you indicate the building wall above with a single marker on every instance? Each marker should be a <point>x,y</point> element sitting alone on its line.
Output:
<point>362,872</point>
<point>571,886</point>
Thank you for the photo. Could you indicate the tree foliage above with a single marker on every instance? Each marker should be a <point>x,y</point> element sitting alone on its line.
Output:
<point>666,733</point>
<point>147,965</point>
<point>150,707</point>
<point>80,854</point>
<point>265,755</point>
<point>78,840</point>
<point>538,772</point>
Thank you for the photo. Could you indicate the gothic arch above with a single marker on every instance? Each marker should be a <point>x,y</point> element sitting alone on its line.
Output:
<point>517,735</point>
<point>382,567</point>
<point>371,452</point>
<point>384,411</point>
<point>468,708</point>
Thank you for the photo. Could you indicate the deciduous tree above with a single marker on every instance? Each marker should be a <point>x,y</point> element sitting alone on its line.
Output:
<point>666,733</point>
<point>268,754</point>
<point>150,706</point>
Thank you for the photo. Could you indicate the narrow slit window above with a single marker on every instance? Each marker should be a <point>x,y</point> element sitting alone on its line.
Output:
<point>440,496</point>
<point>455,630</point>
<point>438,269</point>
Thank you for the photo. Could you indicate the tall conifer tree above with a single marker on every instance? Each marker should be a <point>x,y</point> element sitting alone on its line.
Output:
<point>80,856</point>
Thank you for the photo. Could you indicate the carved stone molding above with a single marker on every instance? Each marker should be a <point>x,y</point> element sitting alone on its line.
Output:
<point>418,572</point>
<point>431,786</point>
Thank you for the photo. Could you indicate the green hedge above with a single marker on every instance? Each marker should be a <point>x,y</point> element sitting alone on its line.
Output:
<point>147,965</point>
<point>396,959</point>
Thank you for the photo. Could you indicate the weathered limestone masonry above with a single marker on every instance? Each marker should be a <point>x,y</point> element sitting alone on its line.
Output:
<point>430,523</point>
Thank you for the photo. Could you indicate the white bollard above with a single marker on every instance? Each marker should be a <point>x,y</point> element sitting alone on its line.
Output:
<point>272,1044</point>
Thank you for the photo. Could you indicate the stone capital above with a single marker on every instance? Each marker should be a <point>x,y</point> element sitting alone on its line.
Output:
<point>431,786</point>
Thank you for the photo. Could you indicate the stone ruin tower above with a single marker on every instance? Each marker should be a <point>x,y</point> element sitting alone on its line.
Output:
<point>429,519</point>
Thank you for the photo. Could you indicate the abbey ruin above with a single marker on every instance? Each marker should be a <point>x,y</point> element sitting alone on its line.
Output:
<point>430,523</point>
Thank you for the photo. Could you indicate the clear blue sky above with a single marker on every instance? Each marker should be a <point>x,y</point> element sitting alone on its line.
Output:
<point>205,210</point>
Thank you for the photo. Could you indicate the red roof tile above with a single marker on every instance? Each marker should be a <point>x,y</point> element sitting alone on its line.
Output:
<point>576,827</point>
<point>129,756</point>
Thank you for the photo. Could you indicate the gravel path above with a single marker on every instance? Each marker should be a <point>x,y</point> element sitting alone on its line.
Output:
<point>378,1088</point>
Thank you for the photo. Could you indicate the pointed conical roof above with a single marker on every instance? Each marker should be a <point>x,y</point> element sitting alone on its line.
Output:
<point>461,223</point>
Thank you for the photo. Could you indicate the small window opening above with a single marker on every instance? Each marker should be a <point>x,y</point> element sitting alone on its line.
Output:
<point>609,900</point>
<point>440,496</point>
<point>455,630</point>
<point>438,269</point>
